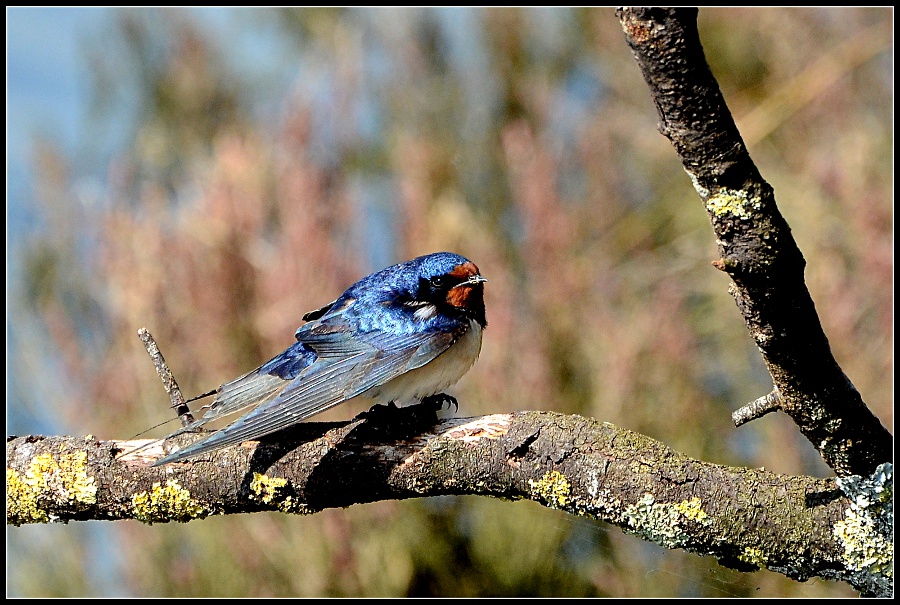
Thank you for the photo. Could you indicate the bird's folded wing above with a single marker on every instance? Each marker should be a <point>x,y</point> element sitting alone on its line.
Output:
<point>348,364</point>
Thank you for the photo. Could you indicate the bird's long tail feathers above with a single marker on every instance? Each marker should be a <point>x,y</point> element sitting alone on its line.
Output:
<point>249,390</point>
<point>314,396</point>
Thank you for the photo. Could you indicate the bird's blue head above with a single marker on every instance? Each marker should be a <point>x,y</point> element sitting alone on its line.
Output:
<point>441,282</point>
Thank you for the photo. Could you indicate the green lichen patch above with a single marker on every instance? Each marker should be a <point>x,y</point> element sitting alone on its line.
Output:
<point>275,490</point>
<point>866,532</point>
<point>164,504</point>
<point>22,501</point>
<point>692,509</point>
<point>734,202</point>
<point>292,506</point>
<point>49,482</point>
<point>665,523</point>
<point>553,488</point>
<point>754,556</point>
<point>265,488</point>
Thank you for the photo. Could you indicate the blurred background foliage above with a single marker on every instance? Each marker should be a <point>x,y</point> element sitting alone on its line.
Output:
<point>250,188</point>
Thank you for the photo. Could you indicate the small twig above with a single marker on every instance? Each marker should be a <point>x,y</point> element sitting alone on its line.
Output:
<point>756,409</point>
<point>165,374</point>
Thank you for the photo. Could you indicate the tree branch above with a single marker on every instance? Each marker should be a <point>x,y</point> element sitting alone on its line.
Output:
<point>755,243</point>
<point>746,518</point>
<point>757,408</point>
<point>168,379</point>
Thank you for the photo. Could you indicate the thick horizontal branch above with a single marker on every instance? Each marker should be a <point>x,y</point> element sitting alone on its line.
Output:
<point>746,518</point>
<point>755,243</point>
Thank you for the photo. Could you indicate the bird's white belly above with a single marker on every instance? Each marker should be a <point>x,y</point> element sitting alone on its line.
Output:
<point>435,376</point>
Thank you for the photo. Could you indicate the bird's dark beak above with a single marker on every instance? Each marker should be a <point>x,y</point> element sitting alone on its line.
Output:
<point>473,280</point>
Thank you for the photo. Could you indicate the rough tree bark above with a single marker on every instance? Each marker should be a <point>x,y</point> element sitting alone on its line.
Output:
<point>746,518</point>
<point>755,243</point>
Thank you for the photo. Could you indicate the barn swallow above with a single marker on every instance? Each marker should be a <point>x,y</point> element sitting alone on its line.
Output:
<point>400,335</point>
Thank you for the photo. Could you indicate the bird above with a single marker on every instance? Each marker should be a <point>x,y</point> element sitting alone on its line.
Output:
<point>402,334</point>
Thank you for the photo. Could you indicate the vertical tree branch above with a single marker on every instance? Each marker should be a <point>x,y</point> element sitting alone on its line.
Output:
<point>755,243</point>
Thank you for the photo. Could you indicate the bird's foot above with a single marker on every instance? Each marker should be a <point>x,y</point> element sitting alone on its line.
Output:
<point>438,401</point>
<point>380,411</point>
<point>407,420</point>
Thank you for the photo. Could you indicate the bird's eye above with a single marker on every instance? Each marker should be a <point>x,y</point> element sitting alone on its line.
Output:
<point>439,281</point>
